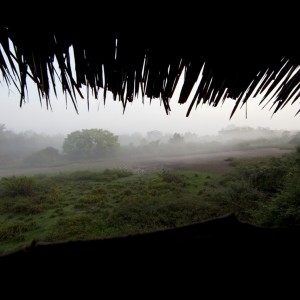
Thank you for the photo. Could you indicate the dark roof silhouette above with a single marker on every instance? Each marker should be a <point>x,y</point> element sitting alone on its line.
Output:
<point>241,53</point>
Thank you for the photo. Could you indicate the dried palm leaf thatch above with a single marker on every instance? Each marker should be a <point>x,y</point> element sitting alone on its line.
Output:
<point>132,53</point>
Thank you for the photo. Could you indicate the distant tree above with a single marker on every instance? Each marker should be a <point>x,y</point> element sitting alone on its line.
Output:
<point>143,142</point>
<point>4,133</point>
<point>127,139</point>
<point>8,149</point>
<point>2,128</point>
<point>18,146</point>
<point>176,139</point>
<point>90,143</point>
<point>190,137</point>
<point>154,135</point>
<point>153,147</point>
<point>43,157</point>
<point>295,139</point>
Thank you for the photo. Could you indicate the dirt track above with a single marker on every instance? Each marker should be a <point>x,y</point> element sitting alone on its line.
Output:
<point>211,162</point>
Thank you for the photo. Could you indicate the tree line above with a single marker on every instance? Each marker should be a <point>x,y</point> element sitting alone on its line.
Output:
<point>32,148</point>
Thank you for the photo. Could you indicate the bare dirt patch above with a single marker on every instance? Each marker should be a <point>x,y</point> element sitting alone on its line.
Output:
<point>217,162</point>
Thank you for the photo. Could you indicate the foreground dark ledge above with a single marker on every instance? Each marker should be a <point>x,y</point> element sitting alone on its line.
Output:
<point>217,240</point>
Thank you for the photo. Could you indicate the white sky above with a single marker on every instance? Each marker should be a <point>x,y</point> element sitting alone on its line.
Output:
<point>138,117</point>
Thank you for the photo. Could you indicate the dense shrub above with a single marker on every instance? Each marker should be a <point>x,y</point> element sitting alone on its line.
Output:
<point>18,186</point>
<point>284,209</point>
<point>15,230</point>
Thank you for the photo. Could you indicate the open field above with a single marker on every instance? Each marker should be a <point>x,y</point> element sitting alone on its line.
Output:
<point>116,198</point>
<point>216,162</point>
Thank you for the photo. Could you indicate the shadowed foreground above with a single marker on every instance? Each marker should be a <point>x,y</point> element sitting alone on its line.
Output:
<point>205,244</point>
<point>218,257</point>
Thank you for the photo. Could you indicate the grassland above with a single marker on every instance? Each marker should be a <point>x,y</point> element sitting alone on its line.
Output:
<point>114,202</point>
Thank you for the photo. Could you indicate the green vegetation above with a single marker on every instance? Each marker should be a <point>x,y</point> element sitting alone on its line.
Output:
<point>90,143</point>
<point>113,202</point>
<point>262,191</point>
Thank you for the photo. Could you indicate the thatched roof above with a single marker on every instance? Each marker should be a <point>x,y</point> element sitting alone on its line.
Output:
<point>238,57</point>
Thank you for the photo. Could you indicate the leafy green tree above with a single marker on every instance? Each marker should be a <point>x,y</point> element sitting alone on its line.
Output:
<point>90,143</point>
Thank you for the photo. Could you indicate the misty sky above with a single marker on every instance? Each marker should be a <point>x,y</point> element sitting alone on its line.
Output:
<point>138,117</point>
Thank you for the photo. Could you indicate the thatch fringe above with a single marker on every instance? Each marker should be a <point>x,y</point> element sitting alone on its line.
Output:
<point>128,64</point>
